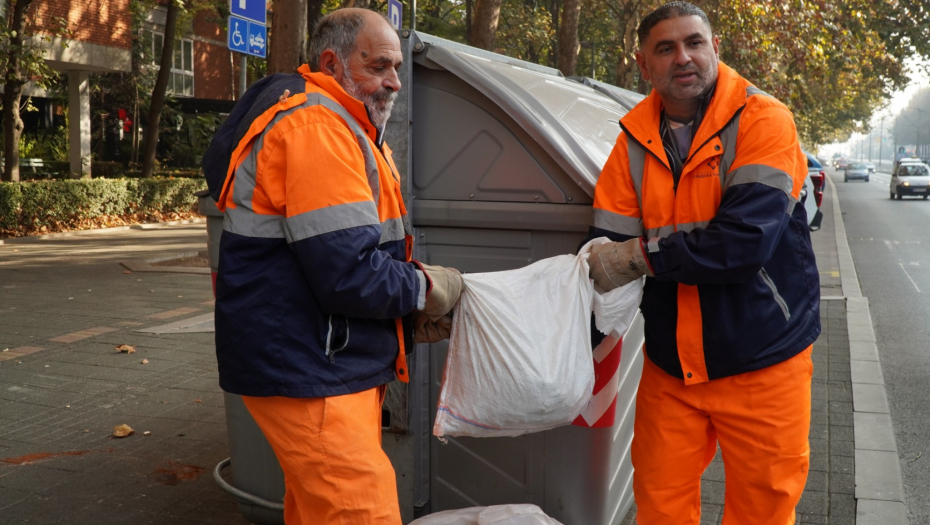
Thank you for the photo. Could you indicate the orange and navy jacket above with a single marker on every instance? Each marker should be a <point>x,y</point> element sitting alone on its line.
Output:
<point>315,283</point>
<point>736,286</point>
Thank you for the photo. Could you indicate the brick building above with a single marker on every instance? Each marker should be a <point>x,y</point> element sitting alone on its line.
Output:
<point>202,76</point>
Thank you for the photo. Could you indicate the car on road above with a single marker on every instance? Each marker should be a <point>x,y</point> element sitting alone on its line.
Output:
<point>812,192</point>
<point>840,163</point>
<point>870,166</point>
<point>856,170</point>
<point>910,178</point>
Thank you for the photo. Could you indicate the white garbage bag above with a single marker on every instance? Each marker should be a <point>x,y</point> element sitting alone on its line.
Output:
<point>523,514</point>
<point>520,351</point>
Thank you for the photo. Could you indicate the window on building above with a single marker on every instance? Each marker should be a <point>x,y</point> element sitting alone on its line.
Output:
<point>181,82</point>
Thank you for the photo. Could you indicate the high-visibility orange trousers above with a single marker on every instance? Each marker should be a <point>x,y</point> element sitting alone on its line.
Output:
<point>335,472</point>
<point>761,420</point>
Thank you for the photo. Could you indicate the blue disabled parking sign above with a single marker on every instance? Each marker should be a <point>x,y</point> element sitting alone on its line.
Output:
<point>247,37</point>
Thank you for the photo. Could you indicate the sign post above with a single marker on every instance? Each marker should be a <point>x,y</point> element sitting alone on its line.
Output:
<point>396,13</point>
<point>247,32</point>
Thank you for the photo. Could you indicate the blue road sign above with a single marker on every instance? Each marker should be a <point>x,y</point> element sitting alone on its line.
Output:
<point>253,10</point>
<point>396,13</point>
<point>237,34</point>
<point>258,40</point>
<point>247,37</point>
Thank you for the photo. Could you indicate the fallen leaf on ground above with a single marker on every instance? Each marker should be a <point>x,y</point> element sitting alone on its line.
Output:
<point>126,348</point>
<point>122,431</point>
<point>127,272</point>
<point>145,361</point>
<point>147,433</point>
<point>198,401</point>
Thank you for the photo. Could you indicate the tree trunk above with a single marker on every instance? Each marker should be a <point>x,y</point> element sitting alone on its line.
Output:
<point>158,93</point>
<point>288,46</point>
<point>12,93</point>
<point>484,27</point>
<point>469,7</point>
<point>568,37</point>
<point>314,12</point>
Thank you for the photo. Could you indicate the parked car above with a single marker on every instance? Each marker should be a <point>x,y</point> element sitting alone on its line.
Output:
<point>840,163</point>
<point>856,170</point>
<point>910,178</point>
<point>812,192</point>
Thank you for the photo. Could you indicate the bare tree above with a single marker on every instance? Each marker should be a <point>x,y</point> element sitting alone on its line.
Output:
<point>288,47</point>
<point>568,37</point>
<point>161,87</point>
<point>13,90</point>
<point>484,26</point>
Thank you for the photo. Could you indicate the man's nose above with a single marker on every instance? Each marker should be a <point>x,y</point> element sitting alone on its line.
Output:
<point>392,81</point>
<point>682,58</point>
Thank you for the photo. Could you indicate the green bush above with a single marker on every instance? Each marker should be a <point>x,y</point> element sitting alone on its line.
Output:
<point>71,204</point>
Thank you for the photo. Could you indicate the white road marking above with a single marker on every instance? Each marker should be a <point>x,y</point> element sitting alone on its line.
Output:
<point>909,277</point>
<point>888,244</point>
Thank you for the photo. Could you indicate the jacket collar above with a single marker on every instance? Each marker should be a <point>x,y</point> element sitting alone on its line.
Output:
<point>642,122</point>
<point>335,91</point>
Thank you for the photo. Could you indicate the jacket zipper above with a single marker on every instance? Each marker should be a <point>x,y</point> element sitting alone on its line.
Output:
<point>331,352</point>
<point>778,298</point>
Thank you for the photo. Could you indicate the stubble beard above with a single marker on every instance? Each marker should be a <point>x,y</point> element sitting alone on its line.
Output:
<point>696,90</point>
<point>379,104</point>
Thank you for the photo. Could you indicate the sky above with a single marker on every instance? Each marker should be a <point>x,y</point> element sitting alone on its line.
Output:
<point>899,101</point>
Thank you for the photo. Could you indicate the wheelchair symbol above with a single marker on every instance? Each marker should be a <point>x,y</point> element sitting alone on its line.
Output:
<point>237,39</point>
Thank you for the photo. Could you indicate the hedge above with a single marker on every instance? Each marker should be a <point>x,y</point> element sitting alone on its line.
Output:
<point>72,204</point>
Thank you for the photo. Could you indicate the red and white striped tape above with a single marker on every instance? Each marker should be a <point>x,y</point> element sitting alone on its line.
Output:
<point>602,410</point>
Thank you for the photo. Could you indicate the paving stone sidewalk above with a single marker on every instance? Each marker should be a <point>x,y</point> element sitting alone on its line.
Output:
<point>65,304</point>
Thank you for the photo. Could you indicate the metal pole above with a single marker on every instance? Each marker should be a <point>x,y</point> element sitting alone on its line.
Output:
<point>243,75</point>
<point>413,15</point>
<point>881,140</point>
<point>870,144</point>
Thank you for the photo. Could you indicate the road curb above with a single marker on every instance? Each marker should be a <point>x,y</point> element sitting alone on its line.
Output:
<point>98,231</point>
<point>879,485</point>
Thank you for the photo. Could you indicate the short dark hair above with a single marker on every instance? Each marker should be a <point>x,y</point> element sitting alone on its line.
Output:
<point>665,12</point>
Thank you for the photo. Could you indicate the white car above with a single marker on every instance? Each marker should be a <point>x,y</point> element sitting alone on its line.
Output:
<point>910,178</point>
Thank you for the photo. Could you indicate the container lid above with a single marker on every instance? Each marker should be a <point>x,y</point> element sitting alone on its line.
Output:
<point>574,122</point>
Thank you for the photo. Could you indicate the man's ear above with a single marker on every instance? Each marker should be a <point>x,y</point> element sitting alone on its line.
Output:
<point>329,63</point>
<point>641,62</point>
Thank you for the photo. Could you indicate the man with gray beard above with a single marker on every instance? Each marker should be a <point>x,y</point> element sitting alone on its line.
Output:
<point>318,301</point>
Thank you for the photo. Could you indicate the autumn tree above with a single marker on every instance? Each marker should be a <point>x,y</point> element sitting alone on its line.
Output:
<point>157,103</point>
<point>288,39</point>
<point>21,59</point>
<point>484,25</point>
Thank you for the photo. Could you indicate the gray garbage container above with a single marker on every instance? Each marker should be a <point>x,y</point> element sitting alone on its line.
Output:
<point>499,159</point>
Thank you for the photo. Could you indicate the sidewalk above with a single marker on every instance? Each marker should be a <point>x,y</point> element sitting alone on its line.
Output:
<point>65,303</point>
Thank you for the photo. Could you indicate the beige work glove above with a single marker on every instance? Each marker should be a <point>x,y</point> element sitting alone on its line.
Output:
<point>615,264</point>
<point>426,330</point>
<point>446,286</point>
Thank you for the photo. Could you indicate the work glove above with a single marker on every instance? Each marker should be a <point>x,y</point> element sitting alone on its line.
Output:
<point>444,288</point>
<point>615,264</point>
<point>426,330</point>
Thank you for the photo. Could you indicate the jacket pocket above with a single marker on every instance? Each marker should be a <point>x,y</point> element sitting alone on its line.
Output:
<point>778,298</point>
<point>337,336</point>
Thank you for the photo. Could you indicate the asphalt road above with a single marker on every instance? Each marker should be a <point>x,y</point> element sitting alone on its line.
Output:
<point>890,243</point>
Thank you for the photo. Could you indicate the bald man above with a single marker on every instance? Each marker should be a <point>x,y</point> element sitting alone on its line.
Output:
<point>318,301</point>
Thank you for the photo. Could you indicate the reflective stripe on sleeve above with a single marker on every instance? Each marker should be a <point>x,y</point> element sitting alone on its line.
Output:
<point>664,231</point>
<point>637,156</point>
<point>766,175</point>
<point>689,226</point>
<point>392,230</point>
<point>618,223</point>
<point>330,219</point>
